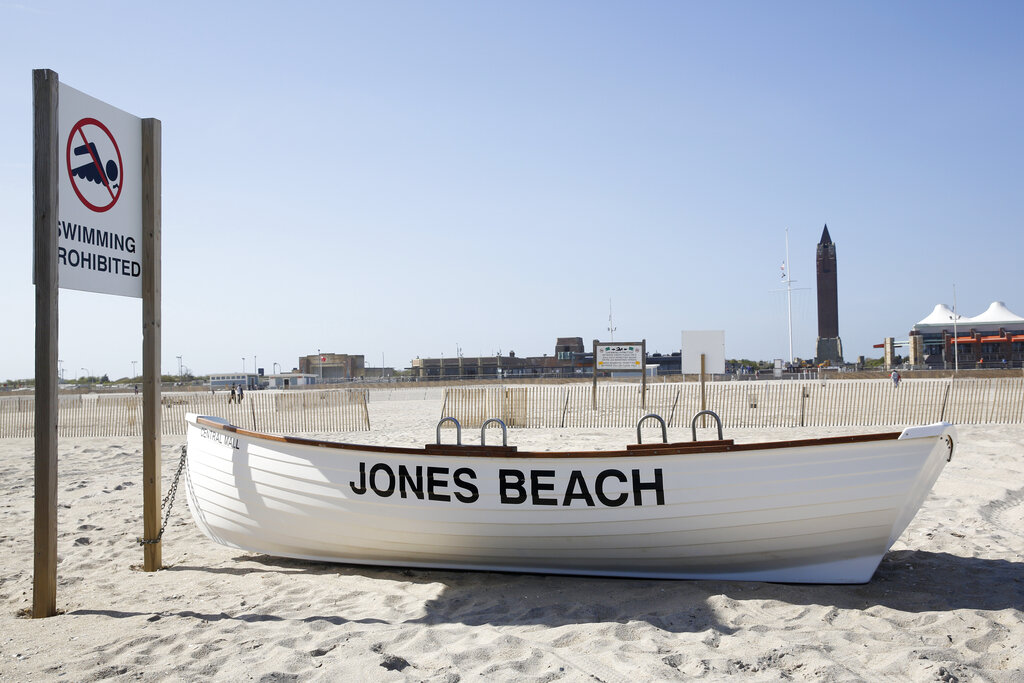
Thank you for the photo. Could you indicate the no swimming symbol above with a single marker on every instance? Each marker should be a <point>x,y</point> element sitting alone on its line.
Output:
<point>94,165</point>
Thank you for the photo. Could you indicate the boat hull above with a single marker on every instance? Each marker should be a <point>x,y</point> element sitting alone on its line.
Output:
<point>822,513</point>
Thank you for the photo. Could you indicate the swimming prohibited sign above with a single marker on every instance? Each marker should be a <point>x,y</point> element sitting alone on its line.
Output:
<point>94,163</point>
<point>99,227</point>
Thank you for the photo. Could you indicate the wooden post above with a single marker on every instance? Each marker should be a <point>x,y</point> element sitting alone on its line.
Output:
<point>151,218</point>
<point>643,374</point>
<point>593,402</point>
<point>703,396</point>
<point>45,166</point>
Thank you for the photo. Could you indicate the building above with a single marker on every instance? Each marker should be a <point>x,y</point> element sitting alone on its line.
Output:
<point>571,359</point>
<point>480,367</point>
<point>286,380</point>
<point>829,347</point>
<point>333,367</point>
<point>994,338</point>
<point>248,380</point>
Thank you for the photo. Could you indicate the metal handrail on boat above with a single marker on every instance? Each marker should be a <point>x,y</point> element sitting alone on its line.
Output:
<point>664,430</point>
<point>458,430</point>
<point>693,424</point>
<point>483,430</point>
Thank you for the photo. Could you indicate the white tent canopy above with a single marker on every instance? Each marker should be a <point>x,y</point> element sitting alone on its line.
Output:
<point>997,314</point>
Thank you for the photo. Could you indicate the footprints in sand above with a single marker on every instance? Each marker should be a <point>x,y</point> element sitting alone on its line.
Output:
<point>1007,513</point>
<point>389,661</point>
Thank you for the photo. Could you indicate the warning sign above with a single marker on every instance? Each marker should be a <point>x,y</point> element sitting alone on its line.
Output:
<point>94,163</point>
<point>99,226</point>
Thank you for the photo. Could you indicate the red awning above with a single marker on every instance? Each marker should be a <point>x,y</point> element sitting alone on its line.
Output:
<point>988,340</point>
<point>963,340</point>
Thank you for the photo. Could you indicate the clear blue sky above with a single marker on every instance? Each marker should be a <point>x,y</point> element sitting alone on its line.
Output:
<point>402,178</point>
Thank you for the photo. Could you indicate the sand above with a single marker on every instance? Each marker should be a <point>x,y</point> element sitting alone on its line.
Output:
<point>947,603</point>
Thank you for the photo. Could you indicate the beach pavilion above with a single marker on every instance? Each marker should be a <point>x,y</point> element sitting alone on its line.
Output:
<point>994,338</point>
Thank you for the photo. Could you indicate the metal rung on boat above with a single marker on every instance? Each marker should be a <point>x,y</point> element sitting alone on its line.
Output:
<point>664,430</point>
<point>693,424</point>
<point>458,430</point>
<point>483,431</point>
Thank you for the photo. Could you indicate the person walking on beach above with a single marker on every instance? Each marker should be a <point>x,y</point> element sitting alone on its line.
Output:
<point>231,398</point>
<point>895,376</point>
<point>239,393</point>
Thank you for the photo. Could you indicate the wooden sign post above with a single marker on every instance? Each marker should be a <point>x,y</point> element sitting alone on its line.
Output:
<point>108,164</point>
<point>151,226</point>
<point>703,352</point>
<point>624,357</point>
<point>44,177</point>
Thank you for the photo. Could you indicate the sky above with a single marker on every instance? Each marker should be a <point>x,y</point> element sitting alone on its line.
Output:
<point>403,179</point>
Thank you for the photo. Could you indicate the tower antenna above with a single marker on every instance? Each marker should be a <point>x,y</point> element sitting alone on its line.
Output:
<point>611,325</point>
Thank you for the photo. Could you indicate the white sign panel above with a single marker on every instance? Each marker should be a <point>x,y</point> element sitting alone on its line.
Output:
<point>613,356</point>
<point>711,343</point>
<point>99,222</point>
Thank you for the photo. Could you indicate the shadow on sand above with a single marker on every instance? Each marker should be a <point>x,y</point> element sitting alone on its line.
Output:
<point>908,580</point>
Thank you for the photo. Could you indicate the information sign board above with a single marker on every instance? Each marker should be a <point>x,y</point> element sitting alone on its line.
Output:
<point>627,356</point>
<point>99,226</point>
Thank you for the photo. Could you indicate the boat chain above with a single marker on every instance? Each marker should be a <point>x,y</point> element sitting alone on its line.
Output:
<point>168,501</point>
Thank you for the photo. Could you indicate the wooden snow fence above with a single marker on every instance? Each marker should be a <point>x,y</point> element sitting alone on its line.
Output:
<point>119,415</point>
<point>812,403</point>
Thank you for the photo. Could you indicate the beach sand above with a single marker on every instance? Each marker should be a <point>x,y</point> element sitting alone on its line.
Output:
<point>947,603</point>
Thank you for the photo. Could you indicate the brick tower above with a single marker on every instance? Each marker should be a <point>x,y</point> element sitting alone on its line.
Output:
<point>830,346</point>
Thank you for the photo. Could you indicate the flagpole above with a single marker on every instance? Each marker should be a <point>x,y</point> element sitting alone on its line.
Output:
<point>789,298</point>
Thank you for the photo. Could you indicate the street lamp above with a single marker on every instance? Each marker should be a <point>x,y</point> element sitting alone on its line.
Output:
<point>133,368</point>
<point>956,355</point>
<point>87,373</point>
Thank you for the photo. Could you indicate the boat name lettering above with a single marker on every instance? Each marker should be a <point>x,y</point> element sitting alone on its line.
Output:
<point>609,488</point>
<point>513,488</point>
<point>225,439</point>
<point>384,481</point>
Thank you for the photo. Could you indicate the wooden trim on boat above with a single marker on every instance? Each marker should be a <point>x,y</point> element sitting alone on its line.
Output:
<point>632,450</point>
<point>689,445</point>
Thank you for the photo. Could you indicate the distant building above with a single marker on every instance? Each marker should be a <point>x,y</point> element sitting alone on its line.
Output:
<point>285,380</point>
<point>567,347</point>
<point>571,359</point>
<point>985,340</point>
<point>483,367</point>
<point>829,347</point>
<point>248,380</point>
<point>333,367</point>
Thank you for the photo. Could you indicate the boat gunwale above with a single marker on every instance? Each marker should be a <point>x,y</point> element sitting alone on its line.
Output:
<point>632,450</point>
